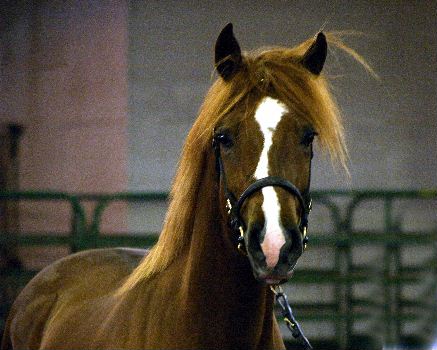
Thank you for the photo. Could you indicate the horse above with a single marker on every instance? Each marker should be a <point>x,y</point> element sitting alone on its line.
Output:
<point>236,223</point>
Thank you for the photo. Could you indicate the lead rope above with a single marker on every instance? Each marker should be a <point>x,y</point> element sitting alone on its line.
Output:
<point>287,314</point>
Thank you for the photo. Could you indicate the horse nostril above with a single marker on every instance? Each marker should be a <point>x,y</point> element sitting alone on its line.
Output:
<point>254,236</point>
<point>293,248</point>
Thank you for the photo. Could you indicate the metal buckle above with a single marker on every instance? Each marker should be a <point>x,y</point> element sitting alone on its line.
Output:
<point>240,245</point>
<point>305,237</point>
<point>228,206</point>
<point>276,289</point>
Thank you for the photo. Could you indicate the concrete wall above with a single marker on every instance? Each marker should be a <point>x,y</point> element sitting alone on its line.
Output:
<point>64,78</point>
<point>391,124</point>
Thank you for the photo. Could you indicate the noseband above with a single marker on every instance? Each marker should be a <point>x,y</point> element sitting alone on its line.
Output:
<point>234,206</point>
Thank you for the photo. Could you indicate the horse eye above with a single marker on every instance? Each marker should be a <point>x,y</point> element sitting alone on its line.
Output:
<point>308,138</point>
<point>224,139</point>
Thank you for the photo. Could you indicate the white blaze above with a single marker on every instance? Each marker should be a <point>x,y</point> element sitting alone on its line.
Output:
<point>268,115</point>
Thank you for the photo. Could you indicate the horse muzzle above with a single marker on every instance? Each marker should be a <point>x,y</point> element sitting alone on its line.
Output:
<point>273,255</point>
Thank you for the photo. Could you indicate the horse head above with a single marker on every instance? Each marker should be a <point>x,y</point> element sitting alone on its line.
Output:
<point>263,148</point>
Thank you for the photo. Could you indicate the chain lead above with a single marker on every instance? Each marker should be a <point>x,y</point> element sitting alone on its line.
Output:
<point>287,315</point>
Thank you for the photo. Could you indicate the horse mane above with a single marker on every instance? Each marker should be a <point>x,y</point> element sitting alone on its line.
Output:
<point>275,70</point>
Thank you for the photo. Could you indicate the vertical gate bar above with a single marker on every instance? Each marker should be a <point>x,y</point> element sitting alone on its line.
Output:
<point>94,232</point>
<point>392,288</point>
<point>78,224</point>
<point>339,329</point>
<point>433,313</point>
<point>397,293</point>
<point>387,292</point>
<point>349,291</point>
<point>343,292</point>
<point>10,135</point>
<point>337,292</point>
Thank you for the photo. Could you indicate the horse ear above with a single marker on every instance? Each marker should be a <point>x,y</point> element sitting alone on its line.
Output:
<point>228,58</point>
<point>315,57</point>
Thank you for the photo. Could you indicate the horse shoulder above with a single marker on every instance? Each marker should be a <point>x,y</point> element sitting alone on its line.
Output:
<point>75,279</point>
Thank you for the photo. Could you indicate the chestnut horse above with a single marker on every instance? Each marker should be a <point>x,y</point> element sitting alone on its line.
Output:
<point>194,289</point>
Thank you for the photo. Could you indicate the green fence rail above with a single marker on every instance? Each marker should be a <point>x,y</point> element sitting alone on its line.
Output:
<point>78,223</point>
<point>387,310</point>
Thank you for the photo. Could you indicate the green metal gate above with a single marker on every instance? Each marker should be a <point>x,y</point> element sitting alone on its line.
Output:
<point>387,311</point>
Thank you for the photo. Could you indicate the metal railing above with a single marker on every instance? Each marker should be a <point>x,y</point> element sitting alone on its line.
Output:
<point>387,310</point>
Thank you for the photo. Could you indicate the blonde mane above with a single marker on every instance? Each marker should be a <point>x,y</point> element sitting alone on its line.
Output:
<point>276,70</point>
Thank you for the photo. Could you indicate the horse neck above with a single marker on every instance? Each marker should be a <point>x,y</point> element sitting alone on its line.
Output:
<point>217,279</point>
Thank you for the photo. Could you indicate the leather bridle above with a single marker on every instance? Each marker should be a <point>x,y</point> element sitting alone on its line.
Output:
<point>234,206</point>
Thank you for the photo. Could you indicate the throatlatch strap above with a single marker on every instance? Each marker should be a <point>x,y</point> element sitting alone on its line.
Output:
<point>221,172</point>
